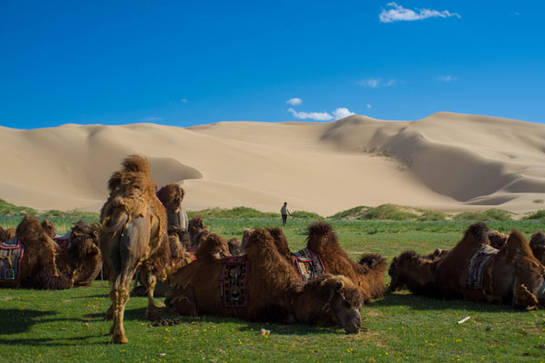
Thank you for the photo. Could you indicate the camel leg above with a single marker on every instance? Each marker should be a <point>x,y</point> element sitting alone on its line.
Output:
<point>120,297</point>
<point>152,313</point>
<point>523,298</point>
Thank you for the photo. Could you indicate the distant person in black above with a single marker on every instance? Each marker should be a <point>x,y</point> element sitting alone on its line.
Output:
<point>284,211</point>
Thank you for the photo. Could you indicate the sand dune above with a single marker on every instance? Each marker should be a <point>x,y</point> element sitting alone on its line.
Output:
<point>446,161</point>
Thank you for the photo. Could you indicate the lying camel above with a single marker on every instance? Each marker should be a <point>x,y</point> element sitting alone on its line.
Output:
<point>44,264</point>
<point>261,286</point>
<point>368,275</point>
<point>475,271</point>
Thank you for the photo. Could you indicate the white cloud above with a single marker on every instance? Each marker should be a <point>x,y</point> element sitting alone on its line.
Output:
<point>397,12</point>
<point>377,82</point>
<point>342,112</point>
<point>184,100</point>
<point>294,101</point>
<point>152,119</point>
<point>316,116</point>
<point>447,78</point>
<point>369,106</point>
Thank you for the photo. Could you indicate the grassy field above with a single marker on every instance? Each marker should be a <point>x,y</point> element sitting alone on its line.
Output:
<point>68,325</point>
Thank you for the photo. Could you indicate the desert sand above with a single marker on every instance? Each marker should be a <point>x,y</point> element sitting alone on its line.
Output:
<point>447,161</point>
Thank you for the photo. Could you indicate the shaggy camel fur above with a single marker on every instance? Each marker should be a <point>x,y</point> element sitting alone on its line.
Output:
<point>275,290</point>
<point>82,259</point>
<point>497,239</point>
<point>197,231</point>
<point>39,266</point>
<point>134,234</point>
<point>49,228</point>
<point>171,196</point>
<point>368,275</point>
<point>235,247</point>
<point>512,276</point>
<point>7,233</point>
<point>45,265</point>
<point>537,244</point>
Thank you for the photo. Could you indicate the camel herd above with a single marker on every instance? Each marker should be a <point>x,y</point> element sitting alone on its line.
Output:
<point>145,235</point>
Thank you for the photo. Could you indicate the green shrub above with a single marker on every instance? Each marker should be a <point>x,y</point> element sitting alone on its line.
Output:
<point>540,214</point>
<point>487,215</point>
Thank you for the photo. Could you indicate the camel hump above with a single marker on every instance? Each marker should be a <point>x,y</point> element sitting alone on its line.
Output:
<point>479,231</point>
<point>537,240</point>
<point>319,228</point>
<point>29,229</point>
<point>136,164</point>
<point>373,261</point>
<point>517,241</point>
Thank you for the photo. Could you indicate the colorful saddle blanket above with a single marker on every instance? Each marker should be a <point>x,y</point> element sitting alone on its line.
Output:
<point>11,255</point>
<point>477,264</point>
<point>308,264</point>
<point>234,281</point>
<point>192,252</point>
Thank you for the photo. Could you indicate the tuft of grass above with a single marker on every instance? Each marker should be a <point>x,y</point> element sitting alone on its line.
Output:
<point>538,201</point>
<point>306,215</point>
<point>237,212</point>
<point>486,215</point>
<point>540,214</point>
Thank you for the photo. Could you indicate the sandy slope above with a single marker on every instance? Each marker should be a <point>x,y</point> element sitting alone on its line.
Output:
<point>445,161</point>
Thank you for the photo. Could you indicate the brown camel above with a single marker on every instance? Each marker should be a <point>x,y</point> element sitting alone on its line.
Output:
<point>48,227</point>
<point>171,196</point>
<point>134,234</point>
<point>368,275</point>
<point>261,286</point>
<point>45,265</point>
<point>475,271</point>
<point>537,244</point>
<point>38,266</point>
<point>197,231</point>
<point>497,239</point>
<point>81,258</point>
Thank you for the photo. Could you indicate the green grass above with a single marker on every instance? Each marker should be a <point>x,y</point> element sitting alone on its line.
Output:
<point>68,326</point>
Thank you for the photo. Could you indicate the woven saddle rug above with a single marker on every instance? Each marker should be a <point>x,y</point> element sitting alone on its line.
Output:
<point>11,255</point>
<point>309,265</point>
<point>234,281</point>
<point>477,264</point>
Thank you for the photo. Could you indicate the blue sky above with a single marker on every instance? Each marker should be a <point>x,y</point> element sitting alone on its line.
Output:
<point>191,62</point>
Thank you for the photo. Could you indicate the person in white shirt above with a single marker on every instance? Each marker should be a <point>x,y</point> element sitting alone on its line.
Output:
<point>284,211</point>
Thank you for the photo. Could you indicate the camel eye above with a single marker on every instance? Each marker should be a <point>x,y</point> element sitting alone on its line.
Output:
<point>346,304</point>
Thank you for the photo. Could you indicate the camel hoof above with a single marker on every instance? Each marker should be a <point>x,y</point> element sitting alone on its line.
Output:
<point>119,339</point>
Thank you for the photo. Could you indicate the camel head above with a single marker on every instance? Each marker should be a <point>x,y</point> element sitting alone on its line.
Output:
<point>537,244</point>
<point>212,248</point>
<point>338,301</point>
<point>412,271</point>
<point>497,239</point>
<point>48,227</point>
<point>171,196</point>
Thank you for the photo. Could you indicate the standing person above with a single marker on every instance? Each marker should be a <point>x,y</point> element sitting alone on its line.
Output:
<point>284,211</point>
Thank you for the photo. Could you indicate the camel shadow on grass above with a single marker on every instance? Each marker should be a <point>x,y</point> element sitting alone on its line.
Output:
<point>138,314</point>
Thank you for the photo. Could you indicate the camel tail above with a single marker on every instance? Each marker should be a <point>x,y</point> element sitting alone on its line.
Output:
<point>377,267</point>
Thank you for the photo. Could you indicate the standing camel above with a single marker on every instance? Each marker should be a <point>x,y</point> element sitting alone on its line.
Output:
<point>134,235</point>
